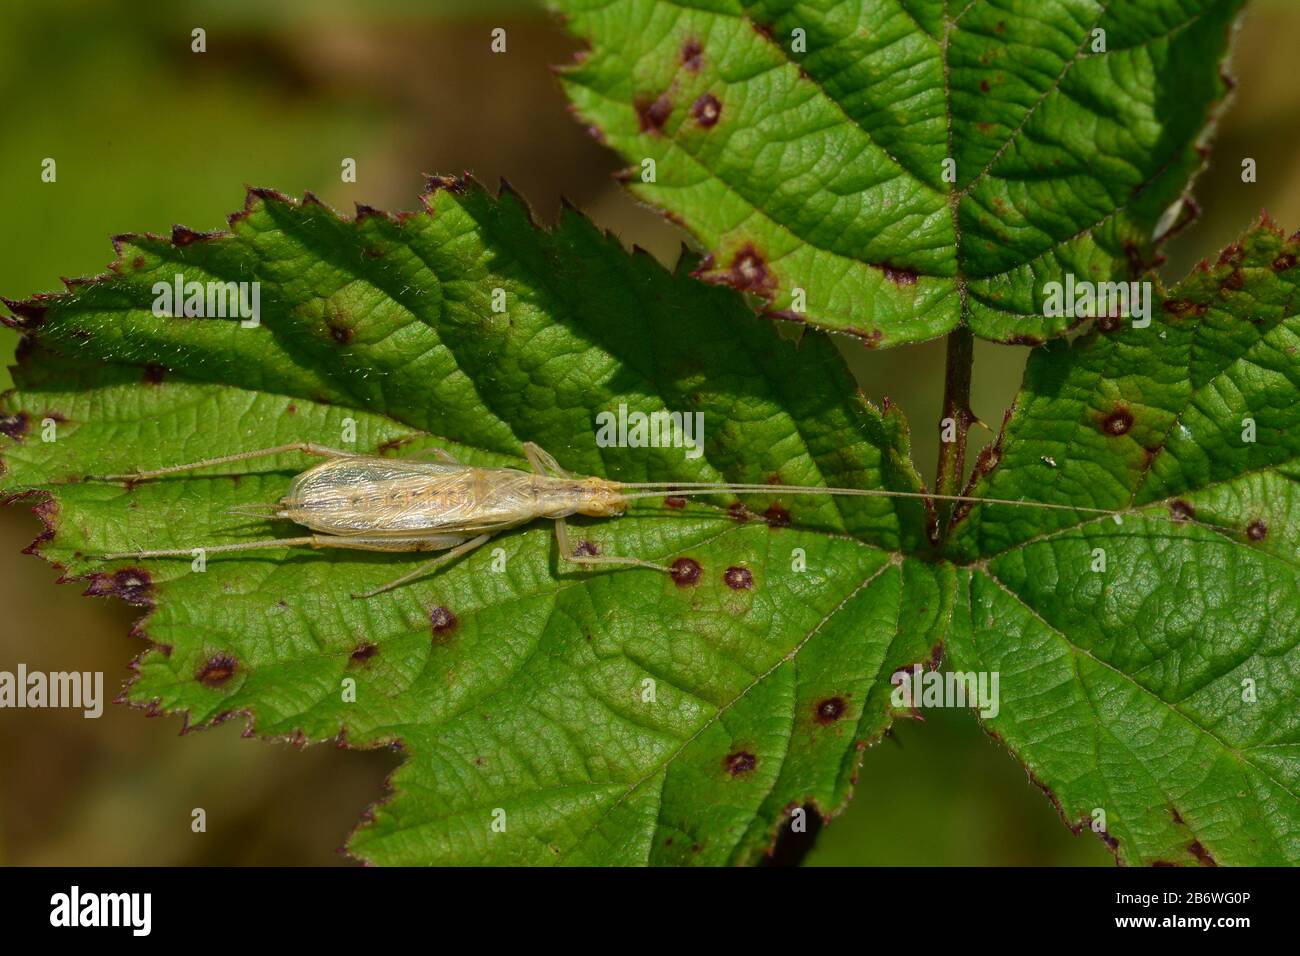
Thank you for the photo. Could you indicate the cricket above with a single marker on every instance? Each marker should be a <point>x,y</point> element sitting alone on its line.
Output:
<point>370,503</point>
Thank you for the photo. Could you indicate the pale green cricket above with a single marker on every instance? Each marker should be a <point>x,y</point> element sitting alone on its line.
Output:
<point>370,503</point>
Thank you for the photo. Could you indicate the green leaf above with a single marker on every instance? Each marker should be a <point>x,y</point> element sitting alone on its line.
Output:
<point>821,167</point>
<point>1154,695</point>
<point>1162,688</point>
<point>524,689</point>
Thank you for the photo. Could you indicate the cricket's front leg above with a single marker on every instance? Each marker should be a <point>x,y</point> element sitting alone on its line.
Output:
<point>542,461</point>
<point>567,553</point>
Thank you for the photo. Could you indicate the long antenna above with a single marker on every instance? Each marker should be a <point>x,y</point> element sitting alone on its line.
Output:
<point>659,489</point>
<point>641,490</point>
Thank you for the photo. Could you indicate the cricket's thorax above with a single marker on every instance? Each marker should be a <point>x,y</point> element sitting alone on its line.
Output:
<point>381,496</point>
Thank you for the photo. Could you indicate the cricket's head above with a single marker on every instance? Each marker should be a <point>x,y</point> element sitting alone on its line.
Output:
<point>600,498</point>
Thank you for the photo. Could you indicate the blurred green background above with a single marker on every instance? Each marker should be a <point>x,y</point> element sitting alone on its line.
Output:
<point>146,134</point>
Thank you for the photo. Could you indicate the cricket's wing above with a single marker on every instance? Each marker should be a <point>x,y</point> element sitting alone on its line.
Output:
<point>381,496</point>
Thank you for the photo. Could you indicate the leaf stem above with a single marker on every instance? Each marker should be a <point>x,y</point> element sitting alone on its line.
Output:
<point>956,406</point>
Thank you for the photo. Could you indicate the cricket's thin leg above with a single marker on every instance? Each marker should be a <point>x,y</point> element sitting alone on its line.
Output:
<point>444,456</point>
<point>358,543</point>
<point>566,553</point>
<point>309,541</point>
<point>307,448</point>
<point>428,566</point>
<point>542,461</point>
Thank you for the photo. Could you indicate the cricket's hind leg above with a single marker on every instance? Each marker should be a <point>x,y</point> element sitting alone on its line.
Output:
<point>456,543</point>
<point>307,448</point>
<point>307,541</point>
<point>433,542</point>
<point>461,549</point>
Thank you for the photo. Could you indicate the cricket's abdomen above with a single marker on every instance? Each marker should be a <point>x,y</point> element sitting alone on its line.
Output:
<point>365,495</point>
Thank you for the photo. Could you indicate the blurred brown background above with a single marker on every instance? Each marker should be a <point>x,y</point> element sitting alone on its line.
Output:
<point>147,134</point>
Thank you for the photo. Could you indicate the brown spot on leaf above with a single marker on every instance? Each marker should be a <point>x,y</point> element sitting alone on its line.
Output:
<point>133,585</point>
<point>1118,422</point>
<point>153,374</point>
<point>900,277</point>
<point>738,511</point>
<point>1108,323</point>
<point>442,620</point>
<point>1257,530</point>
<point>1236,282</point>
<point>219,669</point>
<point>653,114</point>
<point>1021,339</point>
<point>15,426</point>
<point>1180,510</point>
<point>31,312</point>
<point>829,710</point>
<point>685,572</point>
<point>1232,255</point>
<point>692,55</point>
<point>182,236</point>
<point>706,110</point>
<point>1179,308</point>
<point>749,271</point>
<point>1198,850</point>
<point>1284,262</point>
<point>742,761</point>
<point>586,549</point>
<point>777,517</point>
<point>738,579</point>
<point>340,333</point>
<point>984,86</point>
<point>452,184</point>
<point>365,652</point>
<point>675,501</point>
